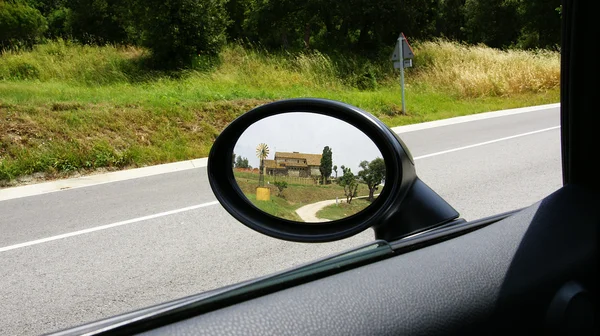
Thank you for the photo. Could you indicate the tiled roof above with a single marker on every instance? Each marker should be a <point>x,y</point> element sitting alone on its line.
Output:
<point>296,164</point>
<point>311,159</point>
<point>272,164</point>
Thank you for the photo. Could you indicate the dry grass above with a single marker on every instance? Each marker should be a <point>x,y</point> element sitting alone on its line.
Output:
<point>476,71</point>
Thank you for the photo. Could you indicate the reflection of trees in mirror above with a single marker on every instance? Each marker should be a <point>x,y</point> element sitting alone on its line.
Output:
<point>297,194</point>
<point>349,182</point>
<point>372,174</point>
<point>325,167</point>
<point>280,185</point>
<point>240,162</point>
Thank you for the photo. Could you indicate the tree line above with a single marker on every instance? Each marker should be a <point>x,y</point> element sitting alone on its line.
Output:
<point>372,174</point>
<point>178,31</point>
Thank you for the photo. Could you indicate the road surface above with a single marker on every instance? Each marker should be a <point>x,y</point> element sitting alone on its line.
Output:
<point>78,255</point>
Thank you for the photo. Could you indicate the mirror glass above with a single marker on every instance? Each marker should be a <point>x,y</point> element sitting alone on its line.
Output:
<point>307,167</point>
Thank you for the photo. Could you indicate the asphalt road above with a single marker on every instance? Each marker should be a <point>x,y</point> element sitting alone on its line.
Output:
<point>158,238</point>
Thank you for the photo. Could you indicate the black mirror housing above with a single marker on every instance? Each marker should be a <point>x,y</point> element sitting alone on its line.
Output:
<point>405,205</point>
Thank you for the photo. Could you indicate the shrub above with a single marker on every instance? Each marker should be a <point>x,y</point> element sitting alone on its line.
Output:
<point>23,70</point>
<point>280,186</point>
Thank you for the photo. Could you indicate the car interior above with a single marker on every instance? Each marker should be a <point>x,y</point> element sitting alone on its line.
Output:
<point>529,271</point>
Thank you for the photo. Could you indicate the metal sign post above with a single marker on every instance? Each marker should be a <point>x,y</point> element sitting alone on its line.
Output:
<point>400,40</point>
<point>402,58</point>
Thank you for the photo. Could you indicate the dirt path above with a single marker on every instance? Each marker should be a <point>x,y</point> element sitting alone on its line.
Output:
<point>308,213</point>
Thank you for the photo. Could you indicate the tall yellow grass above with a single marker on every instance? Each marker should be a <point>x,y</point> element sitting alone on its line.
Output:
<point>474,71</point>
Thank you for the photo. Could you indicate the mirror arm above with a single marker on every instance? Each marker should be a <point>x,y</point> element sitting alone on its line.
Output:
<point>421,209</point>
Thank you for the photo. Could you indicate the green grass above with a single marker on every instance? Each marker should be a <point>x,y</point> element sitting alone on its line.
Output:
<point>297,194</point>
<point>277,207</point>
<point>343,210</point>
<point>293,197</point>
<point>66,108</point>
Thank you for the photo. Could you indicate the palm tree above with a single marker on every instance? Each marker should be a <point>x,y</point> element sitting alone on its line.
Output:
<point>262,151</point>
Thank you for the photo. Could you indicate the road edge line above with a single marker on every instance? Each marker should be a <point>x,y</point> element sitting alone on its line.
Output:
<point>104,227</point>
<point>471,117</point>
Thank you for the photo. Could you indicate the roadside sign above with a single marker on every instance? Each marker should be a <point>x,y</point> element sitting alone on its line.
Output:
<point>407,51</point>
<point>402,58</point>
<point>407,64</point>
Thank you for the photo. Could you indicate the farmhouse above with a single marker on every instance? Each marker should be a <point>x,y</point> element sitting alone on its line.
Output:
<point>294,164</point>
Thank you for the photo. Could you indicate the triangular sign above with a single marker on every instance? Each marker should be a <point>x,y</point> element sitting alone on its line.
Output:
<point>396,53</point>
<point>406,49</point>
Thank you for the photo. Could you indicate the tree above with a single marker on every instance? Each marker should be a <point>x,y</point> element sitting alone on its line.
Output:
<point>241,162</point>
<point>178,31</point>
<point>237,12</point>
<point>539,23</point>
<point>372,173</point>
<point>350,183</point>
<point>233,160</point>
<point>59,23</point>
<point>493,22</point>
<point>280,186</point>
<point>367,27</point>
<point>326,162</point>
<point>20,25</point>
<point>95,21</point>
<point>335,171</point>
<point>451,19</point>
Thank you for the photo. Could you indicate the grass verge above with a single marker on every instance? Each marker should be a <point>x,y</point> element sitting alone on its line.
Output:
<point>277,207</point>
<point>343,210</point>
<point>67,109</point>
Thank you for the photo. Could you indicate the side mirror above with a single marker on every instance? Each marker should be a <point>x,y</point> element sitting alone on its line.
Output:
<point>271,169</point>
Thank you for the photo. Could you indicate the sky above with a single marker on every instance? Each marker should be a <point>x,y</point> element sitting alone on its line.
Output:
<point>307,133</point>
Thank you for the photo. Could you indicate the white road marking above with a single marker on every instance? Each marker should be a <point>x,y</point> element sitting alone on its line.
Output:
<point>471,117</point>
<point>97,179</point>
<point>176,211</point>
<point>485,143</point>
<point>92,180</point>
<point>104,227</point>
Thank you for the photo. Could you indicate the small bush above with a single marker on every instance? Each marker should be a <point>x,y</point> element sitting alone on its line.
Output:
<point>104,155</point>
<point>6,173</point>
<point>66,61</point>
<point>23,70</point>
<point>280,186</point>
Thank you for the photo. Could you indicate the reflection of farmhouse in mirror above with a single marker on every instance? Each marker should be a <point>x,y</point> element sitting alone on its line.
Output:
<point>294,164</point>
<point>307,167</point>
